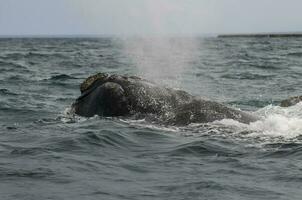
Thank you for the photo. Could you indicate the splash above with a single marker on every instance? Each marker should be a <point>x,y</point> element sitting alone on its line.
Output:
<point>276,122</point>
<point>69,116</point>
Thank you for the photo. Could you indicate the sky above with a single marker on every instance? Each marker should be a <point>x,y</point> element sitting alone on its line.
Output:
<point>148,17</point>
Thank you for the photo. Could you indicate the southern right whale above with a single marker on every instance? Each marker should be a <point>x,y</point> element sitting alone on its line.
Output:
<point>116,95</point>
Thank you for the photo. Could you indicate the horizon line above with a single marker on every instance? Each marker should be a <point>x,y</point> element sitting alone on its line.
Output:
<point>100,35</point>
<point>91,35</point>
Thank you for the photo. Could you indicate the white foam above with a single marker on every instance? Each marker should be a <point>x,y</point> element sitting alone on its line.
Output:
<point>275,122</point>
<point>142,123</point>
<point>69,116</point>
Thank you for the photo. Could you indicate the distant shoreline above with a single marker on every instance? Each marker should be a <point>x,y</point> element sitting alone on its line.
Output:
<point>269,35</point>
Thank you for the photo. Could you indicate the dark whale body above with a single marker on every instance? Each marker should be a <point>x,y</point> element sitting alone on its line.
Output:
<point>291,101</point>
<point>114,95</point>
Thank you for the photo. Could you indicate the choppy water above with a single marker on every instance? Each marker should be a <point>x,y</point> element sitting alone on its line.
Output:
<point>47,154</point>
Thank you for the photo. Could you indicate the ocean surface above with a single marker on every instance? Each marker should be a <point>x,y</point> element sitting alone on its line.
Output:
<point>48,153</point>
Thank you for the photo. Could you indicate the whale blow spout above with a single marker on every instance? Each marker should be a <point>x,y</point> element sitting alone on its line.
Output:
<point>115,95</point>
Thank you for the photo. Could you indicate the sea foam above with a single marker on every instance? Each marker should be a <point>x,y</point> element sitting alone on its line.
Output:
<point>275,121</point>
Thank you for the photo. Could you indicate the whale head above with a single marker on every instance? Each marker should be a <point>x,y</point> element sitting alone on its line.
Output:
<point>101,97</point>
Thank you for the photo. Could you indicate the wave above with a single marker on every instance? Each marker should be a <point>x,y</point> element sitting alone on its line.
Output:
<point>30,55</point>
<point>250,103</point>
<point>12,66</point>
<point>101,137</point>
<point>284,150</point>
<point>203,148</point>
<point>295,54</point>
<point>22,151</point>
<point>265,66</point>
<point>26,173</point>
<point>7,92</point>
<point>248,76</point>
<point>107,138</point>
<point>61,77</point>
<point>44,54</point>
<point>15,55</point>
<point>16,78</point>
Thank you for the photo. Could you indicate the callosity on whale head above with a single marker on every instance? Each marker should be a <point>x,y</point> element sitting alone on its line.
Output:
<point>91,80</point>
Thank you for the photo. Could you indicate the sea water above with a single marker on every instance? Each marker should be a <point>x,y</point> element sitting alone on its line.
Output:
<point>48,153</point>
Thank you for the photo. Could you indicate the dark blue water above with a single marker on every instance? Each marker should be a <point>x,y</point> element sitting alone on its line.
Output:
<point>46,153</point>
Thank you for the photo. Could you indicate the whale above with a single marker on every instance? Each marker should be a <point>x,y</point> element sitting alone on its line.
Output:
<point>115,95</point>
<point>291,101</point>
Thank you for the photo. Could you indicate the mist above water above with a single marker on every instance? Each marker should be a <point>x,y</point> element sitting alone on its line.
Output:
<point>161,59</point>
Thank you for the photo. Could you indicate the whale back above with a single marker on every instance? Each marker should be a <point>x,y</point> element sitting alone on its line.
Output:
<point>148,97</point>
<point>291,101</point>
